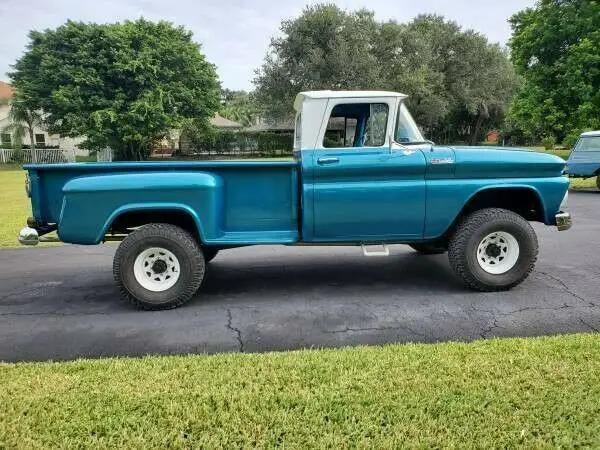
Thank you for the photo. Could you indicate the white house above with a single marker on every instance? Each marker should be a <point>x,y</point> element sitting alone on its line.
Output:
<point>42,137</point>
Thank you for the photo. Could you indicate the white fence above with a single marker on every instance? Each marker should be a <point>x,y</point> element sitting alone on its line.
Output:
<point>47,156</point>
<point>105,155</point>
<point>41,155</point>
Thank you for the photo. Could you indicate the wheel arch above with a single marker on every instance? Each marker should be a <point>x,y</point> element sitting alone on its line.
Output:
<point>520,199</point>
<point>135,215</point>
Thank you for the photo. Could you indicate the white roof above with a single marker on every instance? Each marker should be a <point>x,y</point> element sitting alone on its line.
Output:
<point>591,133</point>
<point>349,94</point>
<point>323,95</point>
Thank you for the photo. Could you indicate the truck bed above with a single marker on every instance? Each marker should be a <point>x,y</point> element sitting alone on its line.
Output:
<point>232,201</point>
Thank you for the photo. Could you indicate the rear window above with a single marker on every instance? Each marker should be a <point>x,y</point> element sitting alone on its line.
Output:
<point>588,144</point>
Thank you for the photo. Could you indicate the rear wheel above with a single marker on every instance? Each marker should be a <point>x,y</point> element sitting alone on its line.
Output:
<point>493,250</point>
<point>428,249</point>
<point>158,266</point>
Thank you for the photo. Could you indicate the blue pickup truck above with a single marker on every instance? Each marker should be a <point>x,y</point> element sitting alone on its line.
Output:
<point>362,175</point>
<point>584,160</point>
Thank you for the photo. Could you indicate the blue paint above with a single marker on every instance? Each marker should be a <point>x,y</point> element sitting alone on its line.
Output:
<point>398,194</point>
<point>584,160</point>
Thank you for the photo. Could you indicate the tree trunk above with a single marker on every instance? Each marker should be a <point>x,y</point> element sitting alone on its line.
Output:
<point>476,130</point>
<point>32,144</point>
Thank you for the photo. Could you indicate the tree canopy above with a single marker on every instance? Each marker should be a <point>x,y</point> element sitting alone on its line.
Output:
<point>459,85</point>
<point>556,48</point>
<point>122,85</point>
<point>239,106</point>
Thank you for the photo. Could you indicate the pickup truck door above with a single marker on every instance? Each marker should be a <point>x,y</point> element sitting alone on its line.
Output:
<point>368,193</point>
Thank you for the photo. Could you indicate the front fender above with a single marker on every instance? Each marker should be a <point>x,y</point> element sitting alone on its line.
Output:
<point>91,204</point>
<point>447,198</point>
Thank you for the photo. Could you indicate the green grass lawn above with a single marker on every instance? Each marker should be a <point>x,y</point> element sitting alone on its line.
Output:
<point>532,393</point>
<point>14,204</point>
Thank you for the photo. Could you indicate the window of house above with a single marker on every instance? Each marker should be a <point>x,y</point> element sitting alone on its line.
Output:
<point>5,139</point>
<point>40,139</point>
<point>357,125</point>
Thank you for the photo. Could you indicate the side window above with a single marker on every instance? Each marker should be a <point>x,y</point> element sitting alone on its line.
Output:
<point>588,144</point>
<point>298,136</point>
<point>340,132</point>
<point>376,125</point>
<point>357,125</point>
<point>6,140</point>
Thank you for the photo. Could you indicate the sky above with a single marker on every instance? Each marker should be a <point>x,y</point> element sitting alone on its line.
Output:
<point>234,34</point>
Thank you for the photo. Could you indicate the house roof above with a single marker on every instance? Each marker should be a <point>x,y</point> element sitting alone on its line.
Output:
<point>269,125</point>
<point>6,90</point>
<point>222,122</point>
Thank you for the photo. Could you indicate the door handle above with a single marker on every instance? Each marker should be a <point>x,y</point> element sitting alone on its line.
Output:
<point>328,160</point>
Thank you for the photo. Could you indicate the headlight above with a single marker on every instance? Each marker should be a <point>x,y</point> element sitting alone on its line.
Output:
<point>27,185</point>
<point>565,201</point>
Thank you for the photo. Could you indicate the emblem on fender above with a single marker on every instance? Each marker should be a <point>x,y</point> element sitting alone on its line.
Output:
<point>442,161</point>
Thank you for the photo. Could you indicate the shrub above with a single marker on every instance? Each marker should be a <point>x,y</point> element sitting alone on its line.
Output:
<point>549,141</point>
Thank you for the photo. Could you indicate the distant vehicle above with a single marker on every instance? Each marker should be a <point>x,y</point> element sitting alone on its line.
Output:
<point>363,175</point>
<point>584,160</point>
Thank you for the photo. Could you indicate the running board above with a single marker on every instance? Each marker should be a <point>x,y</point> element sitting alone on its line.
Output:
<point>385,251</point>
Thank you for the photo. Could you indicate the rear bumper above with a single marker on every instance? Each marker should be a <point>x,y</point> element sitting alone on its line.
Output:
<point>34,233</point>
<point>563,221</point>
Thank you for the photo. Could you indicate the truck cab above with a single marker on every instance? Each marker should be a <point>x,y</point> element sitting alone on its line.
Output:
<point>362,174</point>
<point>363,155</point>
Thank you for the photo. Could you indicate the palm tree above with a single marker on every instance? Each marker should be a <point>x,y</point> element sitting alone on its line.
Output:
<point>23,121</point>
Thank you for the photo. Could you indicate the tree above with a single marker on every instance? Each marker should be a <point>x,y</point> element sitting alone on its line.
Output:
<point>459,85</point>
<point>23,121</point>
<point>239,106</point>
<point>324,48</point>
<point>555,46</point>
<point>123,86</point>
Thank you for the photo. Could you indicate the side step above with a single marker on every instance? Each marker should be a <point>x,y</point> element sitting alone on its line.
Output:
<point>383,250</point>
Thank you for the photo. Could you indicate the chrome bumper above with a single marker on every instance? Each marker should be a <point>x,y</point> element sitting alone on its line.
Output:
<point>563,221</point>
<point>29,236</point>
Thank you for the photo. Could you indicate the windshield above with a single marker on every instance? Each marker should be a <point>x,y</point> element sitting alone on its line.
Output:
<point>407,131</point>
<point>588,144</point>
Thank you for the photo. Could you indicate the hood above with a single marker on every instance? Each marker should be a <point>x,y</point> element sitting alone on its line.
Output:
<point>505,162</point>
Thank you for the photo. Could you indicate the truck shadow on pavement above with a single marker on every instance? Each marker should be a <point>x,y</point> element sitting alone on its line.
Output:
<point>227,278</point>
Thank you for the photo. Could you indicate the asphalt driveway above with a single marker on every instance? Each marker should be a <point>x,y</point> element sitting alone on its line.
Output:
<point>61,302</point>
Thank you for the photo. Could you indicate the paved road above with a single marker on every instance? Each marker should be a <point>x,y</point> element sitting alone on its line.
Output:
<point>61,302</point>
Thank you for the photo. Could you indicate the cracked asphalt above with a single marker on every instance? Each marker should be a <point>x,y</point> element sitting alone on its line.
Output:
<point>61,302</point>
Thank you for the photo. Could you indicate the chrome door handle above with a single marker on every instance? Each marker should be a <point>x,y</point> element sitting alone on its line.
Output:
<point>328,160</point>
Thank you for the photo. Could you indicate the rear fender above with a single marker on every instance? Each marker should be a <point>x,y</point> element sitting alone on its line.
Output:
<point>91,204</point>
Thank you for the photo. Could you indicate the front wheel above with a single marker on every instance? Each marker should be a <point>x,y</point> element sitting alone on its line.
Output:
<point>493,250</point>
<point>158,266</point>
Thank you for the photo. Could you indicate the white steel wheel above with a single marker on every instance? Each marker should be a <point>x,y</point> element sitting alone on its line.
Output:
<point>498,252</point>
<point>156,269</point>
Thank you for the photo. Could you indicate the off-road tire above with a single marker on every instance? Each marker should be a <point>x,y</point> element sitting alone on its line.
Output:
<point>176,240</point>
<point>462,249</point>
<point>209,253</point>
<point>428,249</point>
